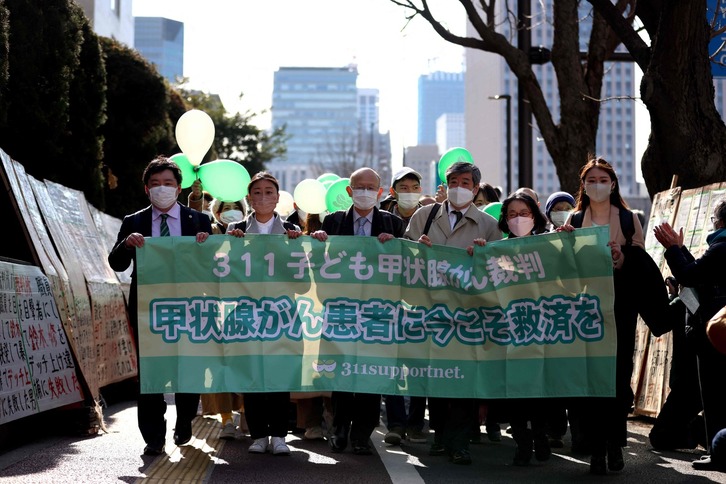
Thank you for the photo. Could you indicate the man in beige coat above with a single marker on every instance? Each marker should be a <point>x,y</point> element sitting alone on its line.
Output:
<point>462,180</point>
<point>456,223</point>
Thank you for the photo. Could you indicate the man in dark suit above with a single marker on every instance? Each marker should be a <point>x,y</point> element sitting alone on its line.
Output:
<point>357,414</point>
<point>164,217</point>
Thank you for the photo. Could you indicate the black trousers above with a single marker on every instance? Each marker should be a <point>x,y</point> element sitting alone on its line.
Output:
<point>357,413</point>
<point>267,414</point>
<point>524,411</point>
<point>607,418</point>
<point>452,419</point>
<point>151,408</point>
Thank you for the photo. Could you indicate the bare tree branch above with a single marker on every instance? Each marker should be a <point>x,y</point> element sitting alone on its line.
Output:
<point>623,28</point>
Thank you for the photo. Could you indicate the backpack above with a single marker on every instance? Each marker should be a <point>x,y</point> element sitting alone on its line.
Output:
<point>626,223</point>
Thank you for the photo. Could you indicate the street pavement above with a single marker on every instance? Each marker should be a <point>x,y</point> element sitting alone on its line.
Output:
<point>116,456</point>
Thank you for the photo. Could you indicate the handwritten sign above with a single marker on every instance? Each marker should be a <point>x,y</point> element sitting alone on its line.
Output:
<point>37,371</point>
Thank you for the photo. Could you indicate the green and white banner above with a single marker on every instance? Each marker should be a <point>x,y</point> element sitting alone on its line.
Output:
<point>527,317</point>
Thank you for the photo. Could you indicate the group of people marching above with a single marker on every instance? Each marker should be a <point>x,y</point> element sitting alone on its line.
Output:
<point>457,219</point>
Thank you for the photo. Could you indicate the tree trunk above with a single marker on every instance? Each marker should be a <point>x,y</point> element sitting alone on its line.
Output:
<point>688,137</point>
<point>576,134</point>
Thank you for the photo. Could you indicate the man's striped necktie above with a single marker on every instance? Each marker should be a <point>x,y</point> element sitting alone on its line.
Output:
<point>164,227</point>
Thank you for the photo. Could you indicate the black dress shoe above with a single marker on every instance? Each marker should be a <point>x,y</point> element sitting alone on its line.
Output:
<point>615,458</point>
<point>522,456</point>
<point>461,457</point>
<point>182,433</point>
<point>597,465</point>
<point>437,447</point>
<point>337,443</point>
<point>542,451</point>
<point>362,448</point>
<point>154,449</point>
<point>181,439</point>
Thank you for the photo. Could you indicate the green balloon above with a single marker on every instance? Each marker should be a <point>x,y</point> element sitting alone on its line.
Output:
<point>328,177</point>
<point>450,157</point>
<point>225,180</point>
<point>189,173</point>
<point>336,197</point>
<point>494,209</point>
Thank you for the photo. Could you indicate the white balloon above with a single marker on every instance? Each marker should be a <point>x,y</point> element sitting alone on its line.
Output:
<point>285,205</point>
<point>309,195</point>
<point>195,135</point>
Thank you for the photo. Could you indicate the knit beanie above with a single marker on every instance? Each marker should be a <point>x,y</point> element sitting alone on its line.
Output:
<point>555,198</point>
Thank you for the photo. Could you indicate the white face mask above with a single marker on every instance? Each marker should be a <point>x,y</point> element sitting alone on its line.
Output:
<point>407,201</point>
<point>208,214</point>
<point>163,197</point>
<point>230,216</point>
<point>598,192</point>
<point>365,199</point>
<point>520,226</point>
<point>559,218</point>
<point>460,196</point>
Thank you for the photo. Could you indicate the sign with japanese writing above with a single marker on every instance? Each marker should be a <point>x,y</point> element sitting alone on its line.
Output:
<point>37,372</point>
<point>691,211</point>
<point>526,317</point>
<point>104,346</point>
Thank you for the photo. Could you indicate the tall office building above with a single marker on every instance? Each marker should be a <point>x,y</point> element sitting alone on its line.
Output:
<point>488,75</point>
<point>329,121</point>
<point>161,41</point>
<point>438,93</point>
<point>110,19</point>
<point>368,112</point>
<point>450,131</point>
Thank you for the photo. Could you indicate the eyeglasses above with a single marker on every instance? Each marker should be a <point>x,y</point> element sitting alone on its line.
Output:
<point>523,213</point>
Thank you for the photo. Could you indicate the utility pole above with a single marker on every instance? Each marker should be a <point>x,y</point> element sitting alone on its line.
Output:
<point>524,113</point>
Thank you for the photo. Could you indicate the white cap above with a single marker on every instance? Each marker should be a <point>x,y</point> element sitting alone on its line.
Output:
<point>406,170</point>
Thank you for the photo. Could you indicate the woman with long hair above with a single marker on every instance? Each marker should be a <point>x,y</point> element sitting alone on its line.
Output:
<point>599,203</point>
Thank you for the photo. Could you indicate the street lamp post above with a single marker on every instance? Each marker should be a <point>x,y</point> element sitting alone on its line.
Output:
<point>508,99</point>
<point>524,116</point>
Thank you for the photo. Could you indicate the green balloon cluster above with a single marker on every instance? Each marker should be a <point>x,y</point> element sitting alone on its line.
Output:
<point>189,171</point>
<point>328,179</point>
<point>225,180</point>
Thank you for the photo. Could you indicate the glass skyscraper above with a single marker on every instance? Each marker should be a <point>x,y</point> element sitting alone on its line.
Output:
<point>438,93</point>
<point>324,113</point>
<point>161,41</point>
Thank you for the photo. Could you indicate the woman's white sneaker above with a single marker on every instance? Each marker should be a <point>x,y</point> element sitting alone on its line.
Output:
<point>278,446</point>
<point>259,446</point>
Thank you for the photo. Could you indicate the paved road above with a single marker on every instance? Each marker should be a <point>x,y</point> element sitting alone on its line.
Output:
<point>116,457</point>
